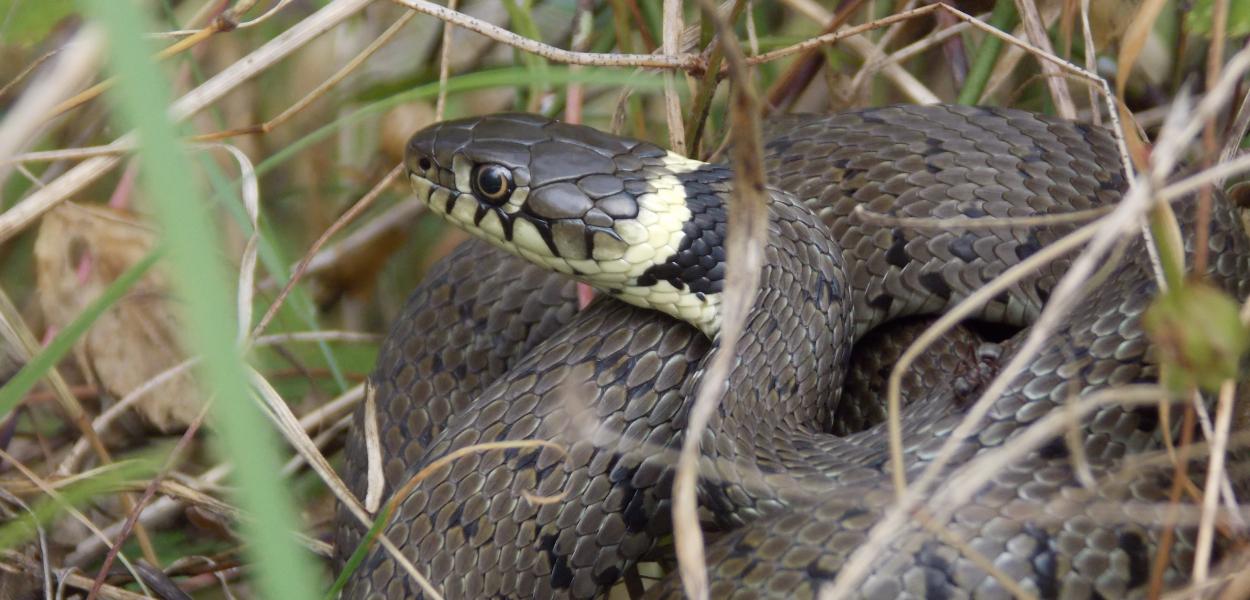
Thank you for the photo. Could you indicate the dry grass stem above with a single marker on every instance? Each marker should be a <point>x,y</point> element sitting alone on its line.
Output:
<point>25,212</point>
<point>1214,477</point>
<point>69,508</point>
<point>347,217</point>
<point>746,235</point>
<point>58,81</point>
<point>865,215</point>
<point>552,53</point>
<point>1038,37</point>
<point>28,117</point>
<point>672,102</point>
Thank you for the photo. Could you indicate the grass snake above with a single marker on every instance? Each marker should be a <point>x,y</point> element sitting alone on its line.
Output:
<point>492,347</point>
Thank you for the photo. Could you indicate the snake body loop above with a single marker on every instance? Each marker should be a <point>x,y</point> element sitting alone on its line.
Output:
<point>491,347</point>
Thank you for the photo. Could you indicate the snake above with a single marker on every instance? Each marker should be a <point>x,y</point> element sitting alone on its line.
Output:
<point>492,347</point>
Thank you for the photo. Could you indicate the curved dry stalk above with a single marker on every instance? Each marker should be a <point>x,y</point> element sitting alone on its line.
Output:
<point>747,232</point>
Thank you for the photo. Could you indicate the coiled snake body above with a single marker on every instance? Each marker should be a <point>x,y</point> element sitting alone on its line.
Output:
<point>491,347</point>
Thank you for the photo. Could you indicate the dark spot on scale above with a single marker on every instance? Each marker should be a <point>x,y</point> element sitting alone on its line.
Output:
<point>525,462</point>
<point>1056,448</point>
<point>561,574</point>
<point>608,576</point>
<point>815,572</point>
<point>1147,418</point>
<point>897,254</point>
<point>962,248</point>
<point>936,585</point>
<point>1030,247</point>
<point>456,515</point>
<point>635,515</point>
<point>881,302</point>
<point>1043,294</point>
<point>1045,563</point>
<point>778,145</point>
<point>933,282</point>
<point>1138,558</point>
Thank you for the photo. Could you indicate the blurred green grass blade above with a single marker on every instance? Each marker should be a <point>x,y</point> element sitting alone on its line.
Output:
<point>1003,18</point>
<point>20,384</point>
<point>30,21</point>
<point>283,570</point>
<point>521,12</point>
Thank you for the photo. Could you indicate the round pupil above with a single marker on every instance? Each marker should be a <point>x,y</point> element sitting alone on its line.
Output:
<point>490,181</point>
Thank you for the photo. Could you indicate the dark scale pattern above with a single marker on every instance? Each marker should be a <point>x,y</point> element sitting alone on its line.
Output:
<point>699,264</point>
<point>612,387</point>
<point>437,360</point>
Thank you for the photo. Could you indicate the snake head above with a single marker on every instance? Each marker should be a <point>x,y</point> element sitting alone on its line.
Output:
<point>625,216</point>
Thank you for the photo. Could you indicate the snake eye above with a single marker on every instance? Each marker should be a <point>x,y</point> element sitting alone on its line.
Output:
<point>492,183</point>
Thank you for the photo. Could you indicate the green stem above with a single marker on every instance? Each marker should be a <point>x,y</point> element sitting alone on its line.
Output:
<point>1003,18</point>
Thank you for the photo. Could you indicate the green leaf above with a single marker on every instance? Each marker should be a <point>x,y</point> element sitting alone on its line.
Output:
<point>29,21</point>
<point>1198,20</point>
<point>1198,334</point>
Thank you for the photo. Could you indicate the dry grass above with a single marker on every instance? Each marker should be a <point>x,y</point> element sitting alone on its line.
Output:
<point>324,245</point>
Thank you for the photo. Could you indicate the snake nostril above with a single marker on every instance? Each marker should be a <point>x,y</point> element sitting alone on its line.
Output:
<point>424,163</point>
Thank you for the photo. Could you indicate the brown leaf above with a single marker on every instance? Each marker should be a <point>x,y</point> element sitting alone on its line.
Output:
<point>80,251</point>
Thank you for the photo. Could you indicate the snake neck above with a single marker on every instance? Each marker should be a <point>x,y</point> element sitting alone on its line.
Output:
<point>676,259</point>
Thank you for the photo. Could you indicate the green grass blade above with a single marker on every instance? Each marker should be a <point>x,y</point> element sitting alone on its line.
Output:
<point>1003,18</point>
<point>141,98</point>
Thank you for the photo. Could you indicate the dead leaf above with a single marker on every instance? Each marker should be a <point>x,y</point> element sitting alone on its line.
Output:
<point>80,251</point>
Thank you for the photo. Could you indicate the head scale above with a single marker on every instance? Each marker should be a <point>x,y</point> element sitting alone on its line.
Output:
<point>625,216</point>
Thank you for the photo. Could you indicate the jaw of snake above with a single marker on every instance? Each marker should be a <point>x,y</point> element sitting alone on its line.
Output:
<point>629,218</point>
